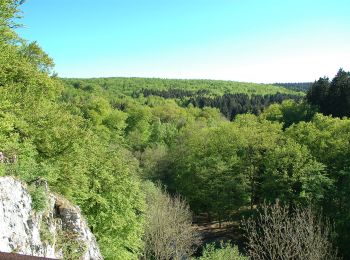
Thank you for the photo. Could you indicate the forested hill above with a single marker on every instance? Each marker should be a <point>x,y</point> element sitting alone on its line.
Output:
<point>128,86</point>
<point>231,98</point>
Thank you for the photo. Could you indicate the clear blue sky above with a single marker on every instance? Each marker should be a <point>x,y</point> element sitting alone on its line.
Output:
<point>243,40</point>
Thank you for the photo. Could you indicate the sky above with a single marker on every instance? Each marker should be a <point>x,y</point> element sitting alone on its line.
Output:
<point>241,40</point>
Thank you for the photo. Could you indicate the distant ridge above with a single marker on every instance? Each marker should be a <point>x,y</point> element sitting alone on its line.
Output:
<point>296,86</point>
<point>128,86</point>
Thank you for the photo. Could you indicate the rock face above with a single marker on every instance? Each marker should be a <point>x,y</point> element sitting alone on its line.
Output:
<point>57,231</point>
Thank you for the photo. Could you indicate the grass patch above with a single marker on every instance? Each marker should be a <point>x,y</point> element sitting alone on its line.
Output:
<point>71,248</point>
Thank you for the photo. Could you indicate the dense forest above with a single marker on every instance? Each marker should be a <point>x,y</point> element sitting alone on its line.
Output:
<point>146,159</point>
<point>298,86</point>
<point>128,86</point>
<point>332,97</point>
<point>229,105</point>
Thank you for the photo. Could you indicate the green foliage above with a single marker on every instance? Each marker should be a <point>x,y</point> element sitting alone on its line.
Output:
<point>114,202</point>
<point>332,98</point>
<point>138,126</point>
<point>39,197</point>
<point>222,168</point>
<point>339,94</point>
<point>293,175</point>
<point>260,136</point>
<point>77,146</point>
<point>327,139</point>
<point>130,86</point>
<point>37,57</point>
<point>289,112</point>
<point>204,168</point>
<point>317,94</point>
<point>225,252</point>
<point>8,19</point>
<point>154,161</point>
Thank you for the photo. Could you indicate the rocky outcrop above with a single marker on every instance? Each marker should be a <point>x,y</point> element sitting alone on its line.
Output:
<point>58,230</point>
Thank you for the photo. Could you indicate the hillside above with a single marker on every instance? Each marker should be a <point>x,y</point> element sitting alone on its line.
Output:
<point>231,98</point>
<point>129,86</point>
<point>298,86</point>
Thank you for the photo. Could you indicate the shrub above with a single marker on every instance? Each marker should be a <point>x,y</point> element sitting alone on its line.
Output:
<point>169,232</point>
<point>39,197</point>
<point>225,252</point>
<point>280,233</point>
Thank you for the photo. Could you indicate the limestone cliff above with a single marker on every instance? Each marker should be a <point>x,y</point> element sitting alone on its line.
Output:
<point>58,230</point>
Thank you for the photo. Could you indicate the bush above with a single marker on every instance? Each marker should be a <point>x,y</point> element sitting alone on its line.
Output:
<point>225,252</point>
<point>169,232</point>
<point>39,197</point>
<point>280,233</point>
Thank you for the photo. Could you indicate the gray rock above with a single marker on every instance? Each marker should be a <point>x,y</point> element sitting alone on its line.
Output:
<point>44,234</point>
